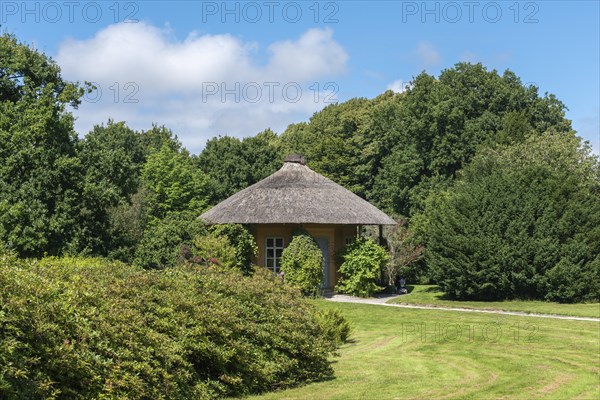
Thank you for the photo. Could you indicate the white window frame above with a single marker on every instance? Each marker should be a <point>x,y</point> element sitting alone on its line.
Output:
<point>276,260</point>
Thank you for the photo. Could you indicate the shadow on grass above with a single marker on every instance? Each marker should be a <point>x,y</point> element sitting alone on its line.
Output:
<point>439,294</point>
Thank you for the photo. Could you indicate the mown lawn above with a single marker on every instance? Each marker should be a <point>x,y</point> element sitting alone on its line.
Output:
<point>398,353</point>
<point>433,295</point>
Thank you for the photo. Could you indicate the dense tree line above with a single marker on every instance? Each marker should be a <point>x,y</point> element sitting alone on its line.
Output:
<point>427,155</point>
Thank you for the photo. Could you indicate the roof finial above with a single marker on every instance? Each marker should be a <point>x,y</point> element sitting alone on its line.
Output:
<point>295,158</point>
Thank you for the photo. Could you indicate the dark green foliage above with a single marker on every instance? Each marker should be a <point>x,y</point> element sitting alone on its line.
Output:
<point>524,222</point>
<point>439,124</point>
<point>262,154</point>
<point>111,158</point>
<point>85,328</point>
<point>163,238</point>
<point>362,266</point>
<point>154,139</point>
<point>127,222</point>
<point>302,264</point>
<point>223,162</point>
<point>233,164</point>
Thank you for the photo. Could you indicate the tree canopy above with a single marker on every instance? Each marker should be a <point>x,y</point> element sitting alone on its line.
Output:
<point>39,171</point>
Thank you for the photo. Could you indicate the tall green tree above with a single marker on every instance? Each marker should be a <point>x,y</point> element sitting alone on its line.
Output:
<point>233,164</point>
<point>111,156</point>
<point>174,183</point>
<point>341,142</point>
<point>153,139</point>
<point>39,171</point>
<point>222,159</point>
<point>262,154</point>
<point>174,196</point>
<point>440,124</point>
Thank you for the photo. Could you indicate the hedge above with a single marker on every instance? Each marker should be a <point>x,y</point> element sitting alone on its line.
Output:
<point>86,328</point>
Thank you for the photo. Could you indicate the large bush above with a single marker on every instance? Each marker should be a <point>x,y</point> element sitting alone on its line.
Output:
<point>163,238</point>
<point>211,249</point>
<point>302,263</point>
<point>363,264</point>
<point>85,328</point>
<point>242,242</point>
<point>524,222</point>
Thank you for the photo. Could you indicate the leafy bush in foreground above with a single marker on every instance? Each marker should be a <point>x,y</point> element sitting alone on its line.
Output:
<point>302,263</point>
<point>86,328</point>
<point>363,263</point>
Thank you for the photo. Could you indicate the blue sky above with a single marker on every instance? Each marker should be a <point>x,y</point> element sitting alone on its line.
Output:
<point>214,68</point>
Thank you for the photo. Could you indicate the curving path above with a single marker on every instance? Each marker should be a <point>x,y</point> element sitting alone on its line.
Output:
<point>383,301</point>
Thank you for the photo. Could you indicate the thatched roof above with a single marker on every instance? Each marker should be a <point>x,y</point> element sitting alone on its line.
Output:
<point>296,195</point>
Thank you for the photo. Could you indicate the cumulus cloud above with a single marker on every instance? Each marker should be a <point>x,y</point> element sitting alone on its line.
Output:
<point>203,85</point>
<point>428,54</point>
<point>314,54</point>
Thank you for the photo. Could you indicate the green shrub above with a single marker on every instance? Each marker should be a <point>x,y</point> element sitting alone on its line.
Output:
<point>86,328</point>
<point>335,325</point>
<point>363,263</point>
<point>210,247</point>
<point>163,239</point>
<point>242,242</point>
<point>232,245</point>
<point>302,263</point>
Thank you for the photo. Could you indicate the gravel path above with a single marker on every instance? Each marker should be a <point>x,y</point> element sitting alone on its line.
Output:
<point>383,301</point>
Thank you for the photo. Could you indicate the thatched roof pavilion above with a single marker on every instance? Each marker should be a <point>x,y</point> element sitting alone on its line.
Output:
<point>297,197</point>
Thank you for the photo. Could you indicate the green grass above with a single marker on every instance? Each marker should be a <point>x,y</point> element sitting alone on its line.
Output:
<point>493,356</point>
<point>434,296</point>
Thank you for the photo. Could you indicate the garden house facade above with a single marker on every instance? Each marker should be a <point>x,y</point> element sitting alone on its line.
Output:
<point>296,197</point>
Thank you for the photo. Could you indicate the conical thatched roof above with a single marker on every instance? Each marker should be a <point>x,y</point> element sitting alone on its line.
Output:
<point>296,195</point>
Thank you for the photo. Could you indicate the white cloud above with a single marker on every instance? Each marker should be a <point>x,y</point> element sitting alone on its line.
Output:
<point>428,55</point>
<point>314,54</point>
<point>398,86</point>
<point>147,55</point>
<point>201,86</point>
